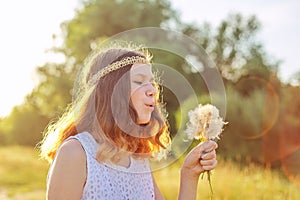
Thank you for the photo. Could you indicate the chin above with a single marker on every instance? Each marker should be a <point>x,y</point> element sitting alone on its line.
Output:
<point>144,121</point>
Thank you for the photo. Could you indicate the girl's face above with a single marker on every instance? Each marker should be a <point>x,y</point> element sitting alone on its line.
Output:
<point>143,91</point>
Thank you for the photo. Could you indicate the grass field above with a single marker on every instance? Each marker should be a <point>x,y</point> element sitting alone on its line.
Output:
<point>233,182</point>
<point>23,175</point>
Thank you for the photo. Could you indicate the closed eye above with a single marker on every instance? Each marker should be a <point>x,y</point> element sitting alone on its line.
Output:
<point>138,82</point>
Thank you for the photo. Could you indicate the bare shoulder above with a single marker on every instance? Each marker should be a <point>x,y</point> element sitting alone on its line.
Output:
<point>71,154</point>
<point>72,149</point>
<point>68,175</point>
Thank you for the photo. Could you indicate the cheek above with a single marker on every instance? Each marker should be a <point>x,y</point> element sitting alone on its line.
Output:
<point>136,99</point>
<point>134,88</point>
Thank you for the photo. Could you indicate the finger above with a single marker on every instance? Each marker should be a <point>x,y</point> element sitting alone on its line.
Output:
<point>209,146</point>
<point>211,166</point>
<point>207,162</point>
<point>209,155</point>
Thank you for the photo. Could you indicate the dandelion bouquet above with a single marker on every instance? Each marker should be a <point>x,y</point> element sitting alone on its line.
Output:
<point>204,124</point>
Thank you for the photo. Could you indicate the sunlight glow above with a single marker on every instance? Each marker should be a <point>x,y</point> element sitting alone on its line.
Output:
<point>27,28</point>
<point>26,34</point>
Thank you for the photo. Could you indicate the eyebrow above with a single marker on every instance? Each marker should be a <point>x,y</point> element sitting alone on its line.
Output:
<point>144,76</point>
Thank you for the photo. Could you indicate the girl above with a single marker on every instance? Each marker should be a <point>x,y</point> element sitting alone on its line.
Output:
<point>99,148</point>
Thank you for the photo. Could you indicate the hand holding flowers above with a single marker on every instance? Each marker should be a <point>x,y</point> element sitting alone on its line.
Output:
<point>192,168</point>
<point>205,124</point>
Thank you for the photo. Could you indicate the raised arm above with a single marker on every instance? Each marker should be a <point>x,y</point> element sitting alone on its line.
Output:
<point>68,174</point>
<point>200,159</point>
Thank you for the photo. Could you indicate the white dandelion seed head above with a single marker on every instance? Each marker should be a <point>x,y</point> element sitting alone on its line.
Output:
<point>204,123</point>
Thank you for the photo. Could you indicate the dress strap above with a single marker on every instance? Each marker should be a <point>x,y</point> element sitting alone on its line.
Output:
<point>88,143</point>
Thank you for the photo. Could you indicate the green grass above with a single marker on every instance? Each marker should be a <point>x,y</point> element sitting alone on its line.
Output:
<point>23,176</point>
<point>232,182</point>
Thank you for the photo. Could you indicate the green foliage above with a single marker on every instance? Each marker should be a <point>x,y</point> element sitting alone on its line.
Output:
<point>241,59</point>
<point>23,126</point>
<point>242,136</point>
<point>282,142</point>
<point>46,102</point>
<point>27,121</point>
<point>261,128</point>
<point>54,92</point>
<point>104,18</point>
<point>233,46</point>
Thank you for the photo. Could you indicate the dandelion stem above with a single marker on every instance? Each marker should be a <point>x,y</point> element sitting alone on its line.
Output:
<point>210,185</point>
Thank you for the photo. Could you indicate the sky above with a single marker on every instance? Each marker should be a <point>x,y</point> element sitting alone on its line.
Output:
<point>27,28</point>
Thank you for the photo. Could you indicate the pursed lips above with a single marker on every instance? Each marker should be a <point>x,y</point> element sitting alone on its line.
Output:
<point>150,105</point>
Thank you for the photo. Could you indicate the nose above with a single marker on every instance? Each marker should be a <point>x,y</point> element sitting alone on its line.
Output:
<point>151,91</point>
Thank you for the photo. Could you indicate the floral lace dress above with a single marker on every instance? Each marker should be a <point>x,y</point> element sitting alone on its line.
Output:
<point>113,182</point>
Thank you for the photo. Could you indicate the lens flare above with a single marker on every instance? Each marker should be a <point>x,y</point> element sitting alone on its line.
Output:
<point>260,97</point>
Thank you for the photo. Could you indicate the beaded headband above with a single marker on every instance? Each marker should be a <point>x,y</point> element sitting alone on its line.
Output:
<point>117,65</point>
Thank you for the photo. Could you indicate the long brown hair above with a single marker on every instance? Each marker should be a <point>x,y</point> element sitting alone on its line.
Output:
<point>94,111</point>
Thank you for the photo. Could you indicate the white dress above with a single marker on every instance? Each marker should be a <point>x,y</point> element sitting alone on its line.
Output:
<point>113,182</point>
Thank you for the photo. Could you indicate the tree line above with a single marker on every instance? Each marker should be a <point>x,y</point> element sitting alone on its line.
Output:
<point>262,111</point>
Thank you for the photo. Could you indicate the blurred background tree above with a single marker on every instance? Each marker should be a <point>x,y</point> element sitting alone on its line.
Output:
<point>263,113</point>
